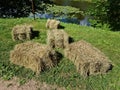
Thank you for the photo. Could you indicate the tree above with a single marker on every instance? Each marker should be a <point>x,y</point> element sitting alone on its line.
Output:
<point>17,8</point>
<point>114,14</point>
<point>14,8</point>
<point>98,12</point>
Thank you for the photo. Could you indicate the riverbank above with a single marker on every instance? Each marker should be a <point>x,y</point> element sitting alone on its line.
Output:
<point>83,4</point>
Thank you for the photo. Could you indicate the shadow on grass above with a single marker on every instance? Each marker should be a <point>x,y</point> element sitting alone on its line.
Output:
<point>35,34</point>
<point>61,27</point>
<point>71,40</point>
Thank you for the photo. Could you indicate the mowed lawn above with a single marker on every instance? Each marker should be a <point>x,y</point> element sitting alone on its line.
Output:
<point>65,73</point>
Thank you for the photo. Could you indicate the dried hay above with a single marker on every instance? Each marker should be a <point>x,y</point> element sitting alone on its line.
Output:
<point>88,59</point>
<point>21,32</point>
<point>35,56</point>
<point>57,38</point>
<point>52,24</point>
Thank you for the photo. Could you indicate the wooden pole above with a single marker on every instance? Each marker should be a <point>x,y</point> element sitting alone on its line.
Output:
<point>33,9</point>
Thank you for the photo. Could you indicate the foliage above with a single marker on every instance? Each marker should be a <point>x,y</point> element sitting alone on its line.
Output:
<point>114,14</point>
<point>98,12</point>
<point>94,23</point>
<point>42,7</point>
<point>10,8</point>
<point>105,12</point>
<point>19,8</point>
<point>65,11</point>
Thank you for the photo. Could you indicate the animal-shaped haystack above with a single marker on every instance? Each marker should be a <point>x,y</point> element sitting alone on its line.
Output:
<point>88,59</point>
<point>21,32</point>
<point>52,24</point>
<point>57,38</point>
<point>35,56</point>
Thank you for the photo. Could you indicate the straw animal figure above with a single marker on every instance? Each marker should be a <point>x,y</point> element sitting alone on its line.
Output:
<point>35,56</point>
<point>21,32</point>
<point>52,24</point>
<point>87,59</point>
<point>57,38</point>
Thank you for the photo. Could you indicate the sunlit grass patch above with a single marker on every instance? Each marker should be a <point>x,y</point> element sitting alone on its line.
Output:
<point>65,73</point>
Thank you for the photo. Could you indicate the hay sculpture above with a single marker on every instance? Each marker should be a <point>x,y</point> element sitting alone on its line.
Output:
<point>21,32</point>
<point>57,38</point>
<point>35,56</point>
<point>88,59</point>
<point>52,24</point>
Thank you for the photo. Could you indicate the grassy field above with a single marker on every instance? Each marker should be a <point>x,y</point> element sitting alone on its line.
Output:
<point>65,73</point>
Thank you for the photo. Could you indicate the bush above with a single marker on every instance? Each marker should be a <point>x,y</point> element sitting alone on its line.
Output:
<point>98,12</point>
<point>105,12</point>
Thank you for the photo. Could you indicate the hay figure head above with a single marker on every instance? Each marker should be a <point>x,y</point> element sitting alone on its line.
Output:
<point>52,24</point>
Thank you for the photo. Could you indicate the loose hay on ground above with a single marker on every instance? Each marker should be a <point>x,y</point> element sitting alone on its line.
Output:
<point>52,24</point>
<point>57,38</point>
<point>35,56</point>
<point>21,32</point>
<point>88,59</point>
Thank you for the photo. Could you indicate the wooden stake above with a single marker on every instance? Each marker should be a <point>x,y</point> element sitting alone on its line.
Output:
<point>33,9</point>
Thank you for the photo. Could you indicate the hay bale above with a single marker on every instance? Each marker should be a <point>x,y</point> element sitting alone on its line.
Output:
<point>88,59</point>
<point>52,24</point>
<point>57,38</point>
<point>21,32</point>
<point>35,56</point>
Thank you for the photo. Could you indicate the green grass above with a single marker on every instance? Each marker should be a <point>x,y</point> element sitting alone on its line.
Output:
<point>65,73</point>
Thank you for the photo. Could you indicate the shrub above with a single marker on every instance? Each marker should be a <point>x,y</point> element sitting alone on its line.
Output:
<point>105,12</point>
<point>65,11</point>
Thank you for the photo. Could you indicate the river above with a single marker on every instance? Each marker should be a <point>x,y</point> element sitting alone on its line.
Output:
<point>82,5</point>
